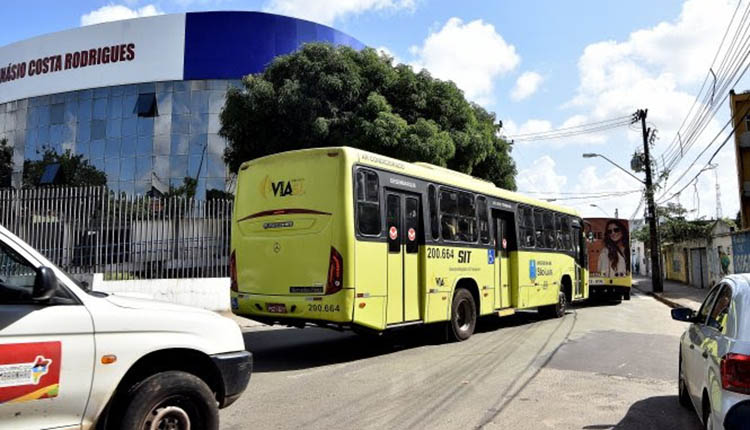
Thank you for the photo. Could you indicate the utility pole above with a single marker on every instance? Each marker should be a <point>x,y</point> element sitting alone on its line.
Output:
<point>656,280</point>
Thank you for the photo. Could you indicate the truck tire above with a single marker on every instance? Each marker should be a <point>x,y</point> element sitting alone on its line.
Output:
<point>172,399</point>
<point>463,316</point>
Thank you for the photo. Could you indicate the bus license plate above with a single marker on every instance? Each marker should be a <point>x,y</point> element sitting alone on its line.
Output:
<point>276,308</point>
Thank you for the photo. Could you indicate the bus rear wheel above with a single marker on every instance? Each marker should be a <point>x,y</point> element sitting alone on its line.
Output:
<point>557,310</point>
<point>463,317</point>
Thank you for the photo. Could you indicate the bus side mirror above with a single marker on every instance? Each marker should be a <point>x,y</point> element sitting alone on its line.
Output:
<point>590,236</point>
<point>45,284</point>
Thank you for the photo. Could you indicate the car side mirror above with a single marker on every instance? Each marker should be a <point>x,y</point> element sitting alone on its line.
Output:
<point>45,284</point>
<point>683,314</point>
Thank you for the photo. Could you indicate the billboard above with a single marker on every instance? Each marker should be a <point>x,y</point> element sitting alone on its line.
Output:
<point>123,52</point>
<point>609,248</point>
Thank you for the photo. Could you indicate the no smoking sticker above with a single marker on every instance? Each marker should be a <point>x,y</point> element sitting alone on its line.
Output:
<point>393,233</point>
<point>412,234</point>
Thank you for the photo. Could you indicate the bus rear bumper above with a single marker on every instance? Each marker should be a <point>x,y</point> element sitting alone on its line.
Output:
<point>608,292</point>
<point>334,309</point>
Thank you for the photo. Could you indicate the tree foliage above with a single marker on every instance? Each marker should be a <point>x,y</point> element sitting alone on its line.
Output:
<point>75,171</point>
<point>6,163</point>
<point>337,96</point>
<point>674,227</point>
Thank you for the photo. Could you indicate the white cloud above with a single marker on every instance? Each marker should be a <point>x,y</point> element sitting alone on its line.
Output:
<point>473,55</point>
<point>114,12</point>
<point>611,180</point>
<point>541,177</point>
<point>526,85</point>
<point>660,68</point>
<point>328,11</point>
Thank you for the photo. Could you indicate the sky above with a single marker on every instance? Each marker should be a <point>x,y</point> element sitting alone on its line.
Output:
<point>539,65</point>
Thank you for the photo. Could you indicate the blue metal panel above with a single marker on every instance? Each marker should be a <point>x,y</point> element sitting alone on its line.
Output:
<point>229,45</point>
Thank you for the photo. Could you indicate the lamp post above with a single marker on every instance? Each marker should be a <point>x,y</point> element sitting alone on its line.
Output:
<point>592,155</point>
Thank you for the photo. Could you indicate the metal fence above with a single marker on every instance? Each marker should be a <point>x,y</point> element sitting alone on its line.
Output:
<point>90,230</point>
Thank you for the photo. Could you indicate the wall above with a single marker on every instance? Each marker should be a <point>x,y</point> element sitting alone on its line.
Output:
<point>675,266</point>
<point>207,293</point>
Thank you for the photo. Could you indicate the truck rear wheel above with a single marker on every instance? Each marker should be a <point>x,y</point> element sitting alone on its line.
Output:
<point>172,400</point>
<point>463,316</point>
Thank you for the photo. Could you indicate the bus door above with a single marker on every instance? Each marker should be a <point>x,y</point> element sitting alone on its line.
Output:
<point>503,224</point>
<point>403,212</point>
<point>581,260</point>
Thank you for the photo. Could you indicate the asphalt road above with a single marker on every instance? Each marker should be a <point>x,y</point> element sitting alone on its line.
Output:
<point>599,367</point>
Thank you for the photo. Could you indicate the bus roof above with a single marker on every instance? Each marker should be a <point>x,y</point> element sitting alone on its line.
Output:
<point>423,171</point>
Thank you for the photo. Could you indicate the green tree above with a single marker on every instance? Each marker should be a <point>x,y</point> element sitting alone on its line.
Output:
<point>6,163</point>
<point>674,226</point>
<point>337,96</point>
<point>75,171</point>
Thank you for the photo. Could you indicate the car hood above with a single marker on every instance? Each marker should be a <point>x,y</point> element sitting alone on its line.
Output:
<point>144,302</point>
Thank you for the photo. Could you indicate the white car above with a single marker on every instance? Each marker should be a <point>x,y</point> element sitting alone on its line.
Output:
<point>714,375</point>
<point>73,359</point>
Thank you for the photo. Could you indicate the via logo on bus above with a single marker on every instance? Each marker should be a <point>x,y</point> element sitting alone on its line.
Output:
<point>532,269</point>
<point>283,188</point>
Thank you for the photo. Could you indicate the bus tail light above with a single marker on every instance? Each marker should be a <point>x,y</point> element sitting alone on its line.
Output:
<point>233,272</point>
<point>735,373</point>
<point>335,272</point>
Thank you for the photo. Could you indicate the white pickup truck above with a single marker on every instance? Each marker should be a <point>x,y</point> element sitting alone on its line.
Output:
<point>75,359</point>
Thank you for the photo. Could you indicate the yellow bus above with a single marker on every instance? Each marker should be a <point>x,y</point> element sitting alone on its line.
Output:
<point>344,238</point>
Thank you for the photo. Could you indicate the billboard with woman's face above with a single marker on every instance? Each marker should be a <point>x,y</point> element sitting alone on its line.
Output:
<point>609,249</point>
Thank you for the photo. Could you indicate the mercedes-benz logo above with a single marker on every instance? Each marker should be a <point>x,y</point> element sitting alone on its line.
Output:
<point>276,247</point>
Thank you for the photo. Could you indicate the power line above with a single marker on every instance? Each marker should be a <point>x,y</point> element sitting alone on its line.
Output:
<point>727,72</point>
<point>592,193</point>
<point>573,130</point>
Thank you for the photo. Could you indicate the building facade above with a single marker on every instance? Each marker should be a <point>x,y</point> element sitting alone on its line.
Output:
<point>740,109</point>
<point>140,99</point>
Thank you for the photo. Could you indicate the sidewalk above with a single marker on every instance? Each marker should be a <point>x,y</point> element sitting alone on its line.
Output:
<point>676,294</point>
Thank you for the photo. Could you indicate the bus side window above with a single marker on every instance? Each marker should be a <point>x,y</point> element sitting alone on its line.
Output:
<point>549,230</point>
<point>567,244</point>
<point>484,224</point>
<point>458,216</point>
<point>368,202</point>
<point>448,222</point>
<point>526,226</point>
<point>434,224</point>
<point>539,229</point>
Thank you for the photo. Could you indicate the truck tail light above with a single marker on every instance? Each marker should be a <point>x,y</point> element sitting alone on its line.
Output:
<point>735,373</point>
<point>233,273</point>
<point>335,272</point>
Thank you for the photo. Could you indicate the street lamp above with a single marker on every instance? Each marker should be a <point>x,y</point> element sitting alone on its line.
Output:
<point>592,155</point>
<point>599,207</point>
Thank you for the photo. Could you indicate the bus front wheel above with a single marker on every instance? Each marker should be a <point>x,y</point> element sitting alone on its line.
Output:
<point>463,316</point>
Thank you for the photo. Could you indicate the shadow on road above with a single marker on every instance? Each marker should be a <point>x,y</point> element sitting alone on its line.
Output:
<point>657,413</point>
<point>294,349</point>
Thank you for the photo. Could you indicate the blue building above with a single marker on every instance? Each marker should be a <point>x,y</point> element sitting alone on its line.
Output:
<point>140,98</point>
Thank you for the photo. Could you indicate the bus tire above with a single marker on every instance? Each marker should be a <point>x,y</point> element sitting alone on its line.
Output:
<point>557,310</point>
<point>463,316</point>
<point>626,295</point>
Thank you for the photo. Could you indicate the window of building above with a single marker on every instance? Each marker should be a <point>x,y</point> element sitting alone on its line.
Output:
<point>747,123</point>
<point>526,226</point>
<point>146,105</point>
<point>484,224</point>
<point>368,202</point>
<point>434,223</point>
<point>98,129</point>
<point>57,113</point>
<point>458,216</point>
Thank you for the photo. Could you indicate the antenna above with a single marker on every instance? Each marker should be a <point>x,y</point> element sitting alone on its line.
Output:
<point>718,190</point>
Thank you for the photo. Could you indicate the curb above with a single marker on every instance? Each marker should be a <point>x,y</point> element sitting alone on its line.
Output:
<point>660,298</point>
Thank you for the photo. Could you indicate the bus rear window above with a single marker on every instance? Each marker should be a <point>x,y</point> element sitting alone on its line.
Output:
<point>368,203</point>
